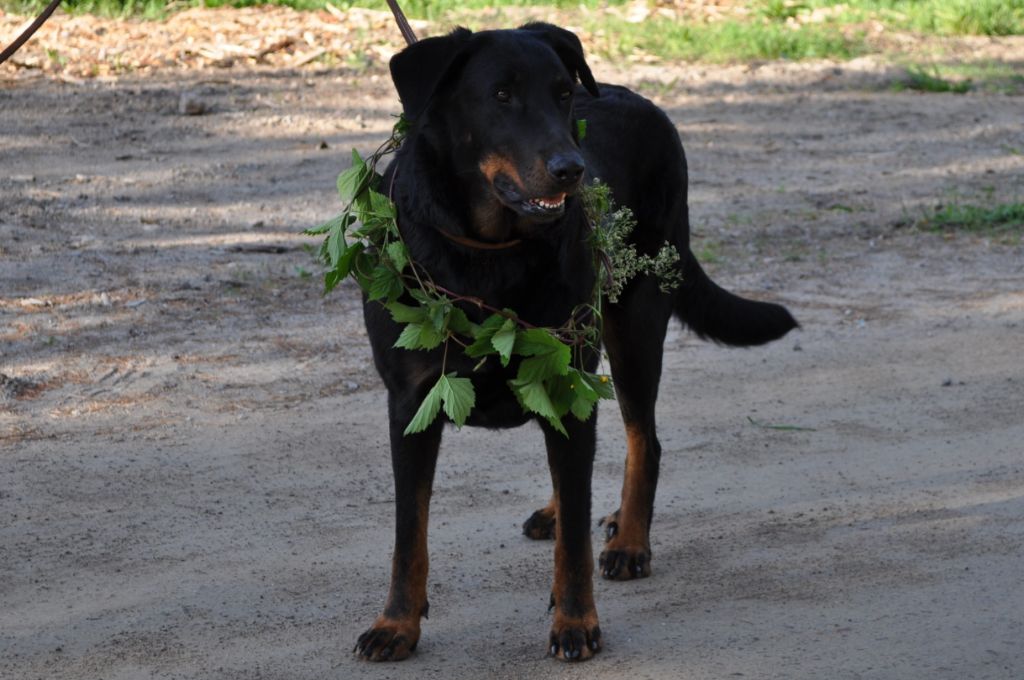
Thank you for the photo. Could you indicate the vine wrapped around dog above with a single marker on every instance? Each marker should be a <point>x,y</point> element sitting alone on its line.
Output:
<point>364,242</point>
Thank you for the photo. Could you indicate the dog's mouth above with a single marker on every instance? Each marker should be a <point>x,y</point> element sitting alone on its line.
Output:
<point>541,207</point>
<point>552,204</point>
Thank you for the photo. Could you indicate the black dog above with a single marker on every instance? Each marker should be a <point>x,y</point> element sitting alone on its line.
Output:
<point>484,185</point>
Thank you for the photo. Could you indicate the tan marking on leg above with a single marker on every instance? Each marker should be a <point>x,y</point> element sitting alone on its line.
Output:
<point>564,576</point>
<point>543,522</point>
<point>636,496</point>
<point>584,629</point>
<point>575,615</point>
<point>407,598</point>
<point>551,509</point>
<point>627,552</point>
<point>419,565</point>
<point>391,639</point>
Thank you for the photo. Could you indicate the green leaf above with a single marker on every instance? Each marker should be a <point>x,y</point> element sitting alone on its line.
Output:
<point>427,411</point>
<point>534,398</point>
<point>344,265</point>
<point>352,180</point>
<point>370,228</point>
<point>601,384</point>
<point>504,340</point>
<point>582,386</point>
<point>481,345</point>
<point>455,393</point>
<point>384,284</point>
<point>458,397</point>
<point>582,408</point>
<point>460,323</point>
<point>420,296</point>
<point>331,279</point>
<point>336,245</point>
<point>559,389</point>
<point>537,341</point>
<point>362,267</point>
<point>409,338</point>
<point>494,322</point>
<point>406,313</point>
<point>583,396</point>
<point>398,255</point>
<point>402,126</point>
<point>544,366</point>
<point>419,336</point>
<point>438,312</point>
<point>581,129</point>
<point>364,208</point>
<point>381,206</point>
<point>327,226</point>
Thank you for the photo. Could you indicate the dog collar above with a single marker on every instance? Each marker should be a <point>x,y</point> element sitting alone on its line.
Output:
<point>479,245</point>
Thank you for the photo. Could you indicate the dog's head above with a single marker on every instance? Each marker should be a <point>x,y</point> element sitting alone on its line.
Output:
<point>500,105</point>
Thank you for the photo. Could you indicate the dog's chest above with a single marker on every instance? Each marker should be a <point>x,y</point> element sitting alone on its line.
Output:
<point>540,290</point>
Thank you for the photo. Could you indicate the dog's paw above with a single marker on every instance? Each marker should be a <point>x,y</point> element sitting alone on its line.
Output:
<point>388,640</point>
<point>574,639</point>
<point>540,525</point>
<point>610,524</point>
<point>624,563</point>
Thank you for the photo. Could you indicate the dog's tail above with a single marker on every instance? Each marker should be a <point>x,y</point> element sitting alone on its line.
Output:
<point>714,313</point>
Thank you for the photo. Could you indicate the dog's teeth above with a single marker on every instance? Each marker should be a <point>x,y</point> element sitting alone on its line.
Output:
<point>547,205</point>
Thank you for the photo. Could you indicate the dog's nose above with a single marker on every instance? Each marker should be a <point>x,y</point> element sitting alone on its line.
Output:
<point>566,167</point>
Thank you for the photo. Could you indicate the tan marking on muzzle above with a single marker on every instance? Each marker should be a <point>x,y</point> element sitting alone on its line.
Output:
<point>493,165</point>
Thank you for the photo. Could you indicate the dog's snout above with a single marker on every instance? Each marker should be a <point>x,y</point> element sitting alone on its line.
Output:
<point>566,167</point>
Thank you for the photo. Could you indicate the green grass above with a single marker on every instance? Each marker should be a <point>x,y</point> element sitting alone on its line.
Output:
<point>718,41</point>
<point>933,17</point>
<point>770,29</point>
<point>987,76</point>
<point>920,79</point>
<point>959,77</point>
<point>419,9</point>
<point>148,9</point>
<point>779,10</point>
<point>1000,219</point>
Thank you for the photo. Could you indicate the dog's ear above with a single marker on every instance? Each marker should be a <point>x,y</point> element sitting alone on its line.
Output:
<point>569,49</point>
<point>418,70</point>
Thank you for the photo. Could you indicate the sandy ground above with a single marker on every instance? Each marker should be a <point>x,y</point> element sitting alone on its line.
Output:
<point>194,478</point>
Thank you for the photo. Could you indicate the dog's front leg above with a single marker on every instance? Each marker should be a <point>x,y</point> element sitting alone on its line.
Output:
<point>575,634</point>
<point>393,636</point>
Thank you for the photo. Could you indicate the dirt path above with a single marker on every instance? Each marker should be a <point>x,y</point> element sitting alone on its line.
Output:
<point>194,480</point>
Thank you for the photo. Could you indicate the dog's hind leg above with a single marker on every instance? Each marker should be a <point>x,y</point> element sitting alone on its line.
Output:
<point>634,332</point>
<point>393,636</point>
<point>575,634</point>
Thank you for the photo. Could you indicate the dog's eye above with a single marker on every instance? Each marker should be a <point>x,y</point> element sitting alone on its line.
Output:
<point>565,95</point>
<point>503,96</point>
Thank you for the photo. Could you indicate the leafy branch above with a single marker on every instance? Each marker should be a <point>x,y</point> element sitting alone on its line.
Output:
<point>364,243</point>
